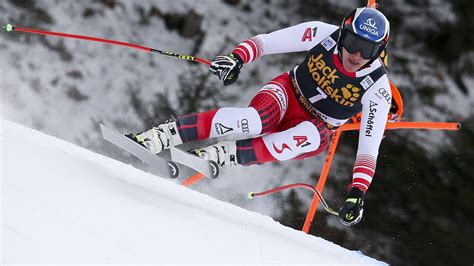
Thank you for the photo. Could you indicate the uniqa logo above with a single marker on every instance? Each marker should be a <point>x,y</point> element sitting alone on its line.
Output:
<point>369,26</point>
<point>371,23</point>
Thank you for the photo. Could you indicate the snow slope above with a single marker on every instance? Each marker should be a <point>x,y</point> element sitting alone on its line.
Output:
<point>64,204</point>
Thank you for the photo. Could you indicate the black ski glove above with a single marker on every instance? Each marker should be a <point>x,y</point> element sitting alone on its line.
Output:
<point>226,68</point>
<point>352,210</point>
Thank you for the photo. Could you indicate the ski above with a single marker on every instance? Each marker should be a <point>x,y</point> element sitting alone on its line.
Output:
<point>208,168</point>
<point>162,166</point>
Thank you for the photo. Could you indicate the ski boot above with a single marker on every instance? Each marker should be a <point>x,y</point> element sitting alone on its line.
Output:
<point>224,153</point>
<point>159,138</point>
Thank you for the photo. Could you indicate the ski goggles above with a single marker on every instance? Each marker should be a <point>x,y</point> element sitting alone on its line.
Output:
<point>354,43</point>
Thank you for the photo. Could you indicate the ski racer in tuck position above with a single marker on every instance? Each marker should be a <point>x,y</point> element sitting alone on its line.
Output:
<point>293,115</point>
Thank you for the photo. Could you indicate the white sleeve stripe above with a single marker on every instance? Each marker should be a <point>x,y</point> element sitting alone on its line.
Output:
<point>243,52</point>
<point>249,50</point>
<point>259,43</point>
<point>255,47</point>
<point>364,167</point>
<point>362,184</point>
<point>368,178</point>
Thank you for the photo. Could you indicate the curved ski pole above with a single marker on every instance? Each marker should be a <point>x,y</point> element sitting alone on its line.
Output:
<point>326,207</point>
<point>9,27</point>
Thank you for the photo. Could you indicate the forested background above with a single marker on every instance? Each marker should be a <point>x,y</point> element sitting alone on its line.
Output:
<point>419,207</point>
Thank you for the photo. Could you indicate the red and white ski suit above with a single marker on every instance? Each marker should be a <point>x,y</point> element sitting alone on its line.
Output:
<point>292,116</point>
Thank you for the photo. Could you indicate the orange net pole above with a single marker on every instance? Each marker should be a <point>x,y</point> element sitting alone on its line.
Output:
<point>409,125</point>
<point>356,126</point>
<point>327,165</point>
<point>322,181</point>
<point>332,149</point>
<point>372,3</point>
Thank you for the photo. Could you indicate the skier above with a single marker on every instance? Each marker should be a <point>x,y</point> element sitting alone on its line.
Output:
<point>293,116</point>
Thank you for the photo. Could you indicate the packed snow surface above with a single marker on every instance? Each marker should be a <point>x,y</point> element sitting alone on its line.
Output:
<point>64,204</point>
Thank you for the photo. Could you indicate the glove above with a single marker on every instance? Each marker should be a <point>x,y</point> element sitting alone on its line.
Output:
<point>352,210</point>
<point>226,68</point>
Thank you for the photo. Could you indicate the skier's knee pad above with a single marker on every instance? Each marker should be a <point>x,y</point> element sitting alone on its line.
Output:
<point>291,143</point>
<point>233,121</point>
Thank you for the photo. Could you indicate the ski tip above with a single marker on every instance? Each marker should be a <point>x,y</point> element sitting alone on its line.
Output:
<point>250,195</point>
<point>9,27</point>
<point>102,126</point>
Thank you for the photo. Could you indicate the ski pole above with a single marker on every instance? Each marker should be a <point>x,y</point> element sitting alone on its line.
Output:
<point>9,28</point>
<point>252,195</point>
